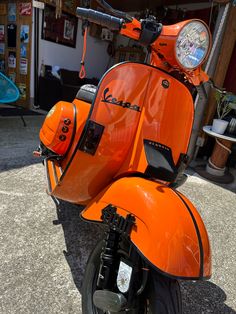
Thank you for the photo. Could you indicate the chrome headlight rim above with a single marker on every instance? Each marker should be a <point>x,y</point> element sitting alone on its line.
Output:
<point>206,53</point>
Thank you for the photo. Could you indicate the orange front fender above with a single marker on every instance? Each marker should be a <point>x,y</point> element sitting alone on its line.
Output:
<point>168,230</point>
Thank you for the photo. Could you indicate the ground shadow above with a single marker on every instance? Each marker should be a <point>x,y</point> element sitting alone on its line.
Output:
<point>81,237</point>
<point>204,297</point>
<point>18,163</point>
<point>192,170</point>
<point>17,143</point>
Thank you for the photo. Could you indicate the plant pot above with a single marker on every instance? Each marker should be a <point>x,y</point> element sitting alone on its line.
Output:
<point>219,126</point>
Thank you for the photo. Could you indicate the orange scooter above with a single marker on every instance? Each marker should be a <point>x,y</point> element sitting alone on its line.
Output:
<point>120,149</point>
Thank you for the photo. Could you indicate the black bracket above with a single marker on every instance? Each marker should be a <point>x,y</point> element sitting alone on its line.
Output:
<point>118,227</point>
<point>150,30</point>
<point>91,137</point>
<point>116,222</point>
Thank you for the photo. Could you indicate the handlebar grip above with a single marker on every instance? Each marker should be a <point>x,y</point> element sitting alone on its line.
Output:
<point>106,20</point>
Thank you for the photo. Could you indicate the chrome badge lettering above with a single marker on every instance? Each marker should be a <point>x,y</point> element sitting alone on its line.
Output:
<point>109,99</point>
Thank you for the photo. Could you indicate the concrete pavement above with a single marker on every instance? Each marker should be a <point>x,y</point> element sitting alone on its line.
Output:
<point>42,264</point>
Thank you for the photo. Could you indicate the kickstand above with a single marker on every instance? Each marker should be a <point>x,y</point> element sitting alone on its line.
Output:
<point>23,120</point>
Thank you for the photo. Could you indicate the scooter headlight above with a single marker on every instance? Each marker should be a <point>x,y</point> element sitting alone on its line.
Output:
<point>192,44</point>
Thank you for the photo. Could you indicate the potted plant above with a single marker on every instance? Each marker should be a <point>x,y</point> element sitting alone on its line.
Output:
<point>226,101</point>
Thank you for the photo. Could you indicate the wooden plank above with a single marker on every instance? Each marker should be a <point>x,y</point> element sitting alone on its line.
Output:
<point>138,5</point>
<point>222,64</point>
<point>66,6</point>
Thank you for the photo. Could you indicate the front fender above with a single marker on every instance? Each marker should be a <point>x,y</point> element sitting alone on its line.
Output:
<point>168,230</point>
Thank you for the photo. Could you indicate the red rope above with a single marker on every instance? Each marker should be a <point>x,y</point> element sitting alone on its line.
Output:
<point>82,72</point>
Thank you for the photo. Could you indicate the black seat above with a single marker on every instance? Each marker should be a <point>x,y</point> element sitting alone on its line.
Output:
<point>87,93</point>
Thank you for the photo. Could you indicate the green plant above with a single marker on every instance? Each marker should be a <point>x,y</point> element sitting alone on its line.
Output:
<point>226,101</point>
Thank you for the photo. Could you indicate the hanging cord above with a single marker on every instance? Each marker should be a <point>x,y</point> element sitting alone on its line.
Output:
<point>214,166</point>
<point>82,72</point>
<point>223,146</point>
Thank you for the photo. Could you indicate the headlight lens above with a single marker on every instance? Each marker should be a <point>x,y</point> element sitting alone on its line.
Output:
<point>192,44</point>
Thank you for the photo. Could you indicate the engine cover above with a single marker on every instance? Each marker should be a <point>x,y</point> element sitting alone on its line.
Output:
<point>58,128</point>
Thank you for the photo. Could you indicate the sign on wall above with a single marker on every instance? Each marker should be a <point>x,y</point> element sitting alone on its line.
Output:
<point>62,30</point>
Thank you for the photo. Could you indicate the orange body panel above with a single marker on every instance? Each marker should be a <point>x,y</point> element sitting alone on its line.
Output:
<point>82,109</point>
<point>58,128</point>
<point>164,46</point>
<point>132,29</point>
<point>166,119</point>
<point>55,169</point>
<point>104,160</point>
<point>96,172</point>
<point>165,43</point>
<point>164,231</point>
<point>146,109</point>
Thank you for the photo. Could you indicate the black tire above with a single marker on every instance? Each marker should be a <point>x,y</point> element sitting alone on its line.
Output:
<point>164,295</point>
<point>161,296</point>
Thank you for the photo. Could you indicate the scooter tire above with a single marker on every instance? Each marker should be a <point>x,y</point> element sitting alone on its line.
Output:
<point>162,295</point>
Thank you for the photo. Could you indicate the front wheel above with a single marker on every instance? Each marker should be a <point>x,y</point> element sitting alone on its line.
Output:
<point>161,295</point>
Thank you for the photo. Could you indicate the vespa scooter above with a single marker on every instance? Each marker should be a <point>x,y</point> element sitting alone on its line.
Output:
<point>119,149</point>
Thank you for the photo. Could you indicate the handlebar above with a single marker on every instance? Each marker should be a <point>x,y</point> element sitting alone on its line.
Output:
<point>113,11</point>
<point>106,20</point>
<point>145,31</point>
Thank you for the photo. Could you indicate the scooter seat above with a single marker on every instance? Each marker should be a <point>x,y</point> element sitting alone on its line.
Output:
<point>87,93</point>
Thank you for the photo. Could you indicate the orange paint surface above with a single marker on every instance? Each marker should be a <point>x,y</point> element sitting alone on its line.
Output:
<point>164,46</point>
<point>121,147</point>
<point>134,102</point>
<point>164,232</point>
<point>55,133</point>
